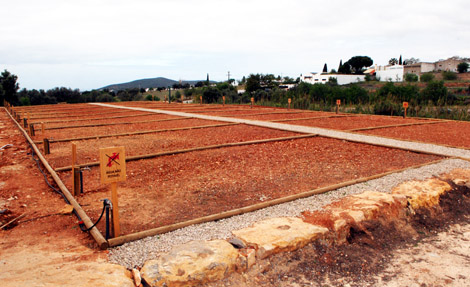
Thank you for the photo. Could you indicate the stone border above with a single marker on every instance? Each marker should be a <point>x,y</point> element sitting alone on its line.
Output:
<point>199,262</point>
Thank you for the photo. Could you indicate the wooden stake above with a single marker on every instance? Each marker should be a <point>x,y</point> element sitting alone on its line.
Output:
<point>223,98</point>
<point>405,106</point>
<point>75,172</point>
<point>31,130</point>
<point>46,146</point>
<point>42,128</point>
<point>114,201</point>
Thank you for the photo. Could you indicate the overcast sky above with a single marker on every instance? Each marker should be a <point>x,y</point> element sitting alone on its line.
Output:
<point>89,44</point>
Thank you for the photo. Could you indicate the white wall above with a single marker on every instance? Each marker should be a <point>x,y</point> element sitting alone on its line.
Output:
<point>324,78</point>
<point>390,73</point>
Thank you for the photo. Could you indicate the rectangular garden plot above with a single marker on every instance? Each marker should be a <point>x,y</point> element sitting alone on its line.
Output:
<point>87,150</point>
<point>131,125</point>
<point>352,122</point>
<point>176,188</point>
<point>82,122</point>
<point>451,133</point>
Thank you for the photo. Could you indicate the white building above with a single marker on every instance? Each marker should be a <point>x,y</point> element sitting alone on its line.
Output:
<point>390,73</point>
<point>320,78</point>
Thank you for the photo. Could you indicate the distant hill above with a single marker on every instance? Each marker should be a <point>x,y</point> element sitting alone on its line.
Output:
<point>147,83</point>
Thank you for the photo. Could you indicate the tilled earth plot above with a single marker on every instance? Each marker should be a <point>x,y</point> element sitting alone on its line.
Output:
<point>177,188</point>
<point>451,133</point>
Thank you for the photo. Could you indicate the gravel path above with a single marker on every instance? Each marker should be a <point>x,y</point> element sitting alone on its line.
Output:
<point>418,147</point>
<point>136,253</point>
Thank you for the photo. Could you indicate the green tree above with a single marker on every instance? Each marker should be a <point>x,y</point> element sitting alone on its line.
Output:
<point>400,62</point>
<point>462,67</point>
<point>411,61</point>
<point>393,61</point>
<point>325,69</point>
<point>357,63</point>
<point>9,88</point>
<point>345,69</point>
<point>211,95</point>
<point>253,83</point>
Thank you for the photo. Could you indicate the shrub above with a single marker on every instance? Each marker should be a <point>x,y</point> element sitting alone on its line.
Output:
<point>427,77</point>
<point>449,76</point>
<point>411,77</point>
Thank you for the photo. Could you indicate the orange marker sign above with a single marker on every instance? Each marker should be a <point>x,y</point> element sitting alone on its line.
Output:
<point>405,105</point>
<point>112,164</point>
<point>338,102</point>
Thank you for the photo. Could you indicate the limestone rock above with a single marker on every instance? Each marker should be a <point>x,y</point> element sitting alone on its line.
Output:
<point>279,234</point>
<point>137,277</point>
<point>459,177</point>
<point>352,210</point>
<point>191,264</point>
<point>423,193</point>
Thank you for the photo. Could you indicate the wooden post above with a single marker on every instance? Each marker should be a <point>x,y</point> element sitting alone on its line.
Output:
<point>31,130</point>
<point>405,106</point>
<point>46,146</point>
<point>289,101</point>
<point>113,170</point>
<point>223,99</point>
<point>252,102</point>
<point>42,128</point>
<point>114,201</point>
<point>338,103</point>
<point>75,172</point>
<point>169,94</point>
<point>200,99</point>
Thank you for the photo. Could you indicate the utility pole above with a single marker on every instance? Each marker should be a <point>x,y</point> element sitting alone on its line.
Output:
<point>228,76</point>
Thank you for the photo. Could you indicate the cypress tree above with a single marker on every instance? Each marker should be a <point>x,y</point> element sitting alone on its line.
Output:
<point>399,61</point>
<point>325,69</point>
<point>340,64</point>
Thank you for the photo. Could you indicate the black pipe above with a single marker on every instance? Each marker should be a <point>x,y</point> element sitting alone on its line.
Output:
<point>81,180</point>
<point>107,217</point>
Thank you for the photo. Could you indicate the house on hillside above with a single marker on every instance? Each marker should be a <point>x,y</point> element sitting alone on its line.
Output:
<point>419,68</point>
<point>323,78</point>
<point>439,66</point>
<point>449,64</point>
<point>389,73</point>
